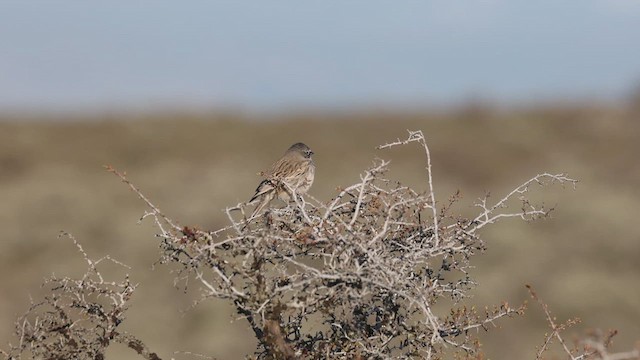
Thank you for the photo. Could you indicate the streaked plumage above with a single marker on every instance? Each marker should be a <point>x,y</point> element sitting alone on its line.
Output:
<point>294,172</point>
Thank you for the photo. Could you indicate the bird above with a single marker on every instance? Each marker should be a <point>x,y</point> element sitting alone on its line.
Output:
<point>291,175</point>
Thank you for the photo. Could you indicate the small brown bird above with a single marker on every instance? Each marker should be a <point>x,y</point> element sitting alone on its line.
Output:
<point>292,174</point>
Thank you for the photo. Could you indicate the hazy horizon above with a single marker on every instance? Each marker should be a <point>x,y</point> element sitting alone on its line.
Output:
<point>124,56</point>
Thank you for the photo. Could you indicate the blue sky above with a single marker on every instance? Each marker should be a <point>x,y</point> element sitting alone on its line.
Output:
<point>126,54</point>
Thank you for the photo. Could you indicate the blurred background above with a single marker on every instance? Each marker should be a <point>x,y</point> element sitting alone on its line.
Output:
<point>192,100</point>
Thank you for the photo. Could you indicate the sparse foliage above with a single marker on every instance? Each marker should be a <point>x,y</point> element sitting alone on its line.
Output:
<point>594,346</point>
<point>78,318</point>
<point>356,277</point>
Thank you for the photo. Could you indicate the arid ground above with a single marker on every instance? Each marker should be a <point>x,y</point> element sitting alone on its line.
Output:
<point>583,260</point>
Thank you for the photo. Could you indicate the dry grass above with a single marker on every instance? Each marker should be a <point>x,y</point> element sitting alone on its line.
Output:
<point>583,260</point>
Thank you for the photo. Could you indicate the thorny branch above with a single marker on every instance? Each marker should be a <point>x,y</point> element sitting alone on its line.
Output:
<point>78,319</point>
<point>357,276</point>
<point>594,346</point>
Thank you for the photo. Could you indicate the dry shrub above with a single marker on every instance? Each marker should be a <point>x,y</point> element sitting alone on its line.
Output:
<point>78,318</point>
<point>593,346</point>
<point>355,277</point>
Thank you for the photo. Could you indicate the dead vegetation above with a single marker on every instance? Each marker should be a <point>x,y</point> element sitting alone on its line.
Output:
<point>355,277</point>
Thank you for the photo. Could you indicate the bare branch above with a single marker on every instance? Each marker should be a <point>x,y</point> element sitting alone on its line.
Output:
<point>79,318</point>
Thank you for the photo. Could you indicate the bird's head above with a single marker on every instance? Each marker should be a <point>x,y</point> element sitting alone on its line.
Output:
<point>301,149</point>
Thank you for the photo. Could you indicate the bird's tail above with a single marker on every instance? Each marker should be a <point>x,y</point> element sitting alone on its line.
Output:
<point>266,199</point>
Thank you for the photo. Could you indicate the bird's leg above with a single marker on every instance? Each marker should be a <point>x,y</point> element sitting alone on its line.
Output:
<point>291,192</point>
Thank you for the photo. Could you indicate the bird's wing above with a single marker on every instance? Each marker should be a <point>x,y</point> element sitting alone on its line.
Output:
<point>288,169</point>
<point>264,187</point>
<point>281,168</point>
